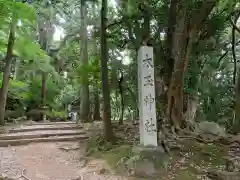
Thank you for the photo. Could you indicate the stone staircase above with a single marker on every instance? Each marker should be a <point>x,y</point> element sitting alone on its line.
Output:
<point>42,132</point>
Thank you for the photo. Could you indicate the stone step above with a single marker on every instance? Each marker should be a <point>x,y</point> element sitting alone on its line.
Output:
<point>44,128</point>
<point>50,123</point>
<point>40,134</point>
<point>19,142</point>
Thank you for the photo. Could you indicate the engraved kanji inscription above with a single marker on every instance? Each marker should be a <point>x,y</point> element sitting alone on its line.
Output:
<point>149,100</point>
<point>148,81</point>
<point>149,126</point>
<point>148,62</point>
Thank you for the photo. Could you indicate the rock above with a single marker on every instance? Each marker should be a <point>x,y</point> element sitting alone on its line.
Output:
<point>223,175</point>
<point>34,114</point>
<point>149,150</point>
<point>102,171</point>
<point>235,139</point>
<point>140,166</point>
<point>69,148</point>
<point>79,178</point>
<point>146,161</point>
<point>5,177</point>
<point>207,127</point>
<point>22,118</point>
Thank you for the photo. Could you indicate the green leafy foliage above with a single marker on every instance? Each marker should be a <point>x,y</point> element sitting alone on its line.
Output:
<point>67,95</point>
<point>53,89</point>
<point>18,90</point>
<point>207,78</point>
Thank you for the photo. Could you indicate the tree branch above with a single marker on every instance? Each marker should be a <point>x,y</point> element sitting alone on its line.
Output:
<point>234,26</point>
<point>125,18</point>
<point>226,52</point>
<point>221,58</point>
<point>234,54</point>
<point>202,14</point>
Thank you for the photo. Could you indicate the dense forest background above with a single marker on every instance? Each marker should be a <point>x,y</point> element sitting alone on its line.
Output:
<point>93,63</point>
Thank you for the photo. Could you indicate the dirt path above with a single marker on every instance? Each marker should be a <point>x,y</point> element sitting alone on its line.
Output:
<point>46,161</point>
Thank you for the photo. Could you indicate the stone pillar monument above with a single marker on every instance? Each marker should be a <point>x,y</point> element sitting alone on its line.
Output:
<point>146,97</point>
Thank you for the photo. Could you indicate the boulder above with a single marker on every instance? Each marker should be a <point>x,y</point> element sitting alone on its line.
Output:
<point>212,128</point>
<point>34,114</point>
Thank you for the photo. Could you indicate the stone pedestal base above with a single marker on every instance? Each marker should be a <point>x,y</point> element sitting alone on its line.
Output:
<point>146,161</point>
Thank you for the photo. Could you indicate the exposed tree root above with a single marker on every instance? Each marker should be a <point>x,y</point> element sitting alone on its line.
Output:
<point>24,176</point>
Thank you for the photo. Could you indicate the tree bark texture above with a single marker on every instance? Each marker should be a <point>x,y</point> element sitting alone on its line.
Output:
<point>7,71</point>
<point>85,102</point>
<point>108,132</point>
<point>187,26</point>
<point>236,123</point>
<point>96,110</point>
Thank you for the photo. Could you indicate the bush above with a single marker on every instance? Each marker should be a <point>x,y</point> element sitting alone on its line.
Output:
<point>13,114</point>
<point>53,115</point>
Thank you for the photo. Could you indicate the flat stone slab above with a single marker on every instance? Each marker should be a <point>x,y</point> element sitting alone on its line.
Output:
<point>23,126</point>
<point>18,142</point>
<point>42,128</point>
<point>49,123</point>
<point>40,134</point>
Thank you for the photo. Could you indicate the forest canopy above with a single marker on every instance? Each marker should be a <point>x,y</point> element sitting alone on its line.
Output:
<point>93,63</point>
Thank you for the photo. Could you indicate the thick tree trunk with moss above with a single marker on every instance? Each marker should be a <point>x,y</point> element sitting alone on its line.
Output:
<point>186,29</point>
<point>85,102</point>
<point>180,51</point>
<point>108,132</point>
<point>6,73</point>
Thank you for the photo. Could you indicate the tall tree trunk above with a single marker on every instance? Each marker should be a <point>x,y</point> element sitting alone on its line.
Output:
<point>170,32</point>
<point>43,44</point>
<point>122,111</point>
<point>16,69</point>
<point>190,100</point>
<point>96,110</point>
<point>96,93</point>
<point>7,71</point>
<point>42,29</point>
<point>236,122</point>
<point>45,38</point>
<point>186,29</point>
<point>192,104</point>
<point>44,88</point>
<point>180,52</point>
<point>85,102</point>
<point>108,132</point>
<point>120,87</point>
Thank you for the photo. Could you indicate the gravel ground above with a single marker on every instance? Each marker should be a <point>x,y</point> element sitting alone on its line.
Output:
<point>45,161</point>
<point>9,163</point>
<point>50,161</point>
<point>41,132</point>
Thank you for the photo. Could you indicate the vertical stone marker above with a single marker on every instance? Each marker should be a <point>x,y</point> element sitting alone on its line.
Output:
<point>146,97</point>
